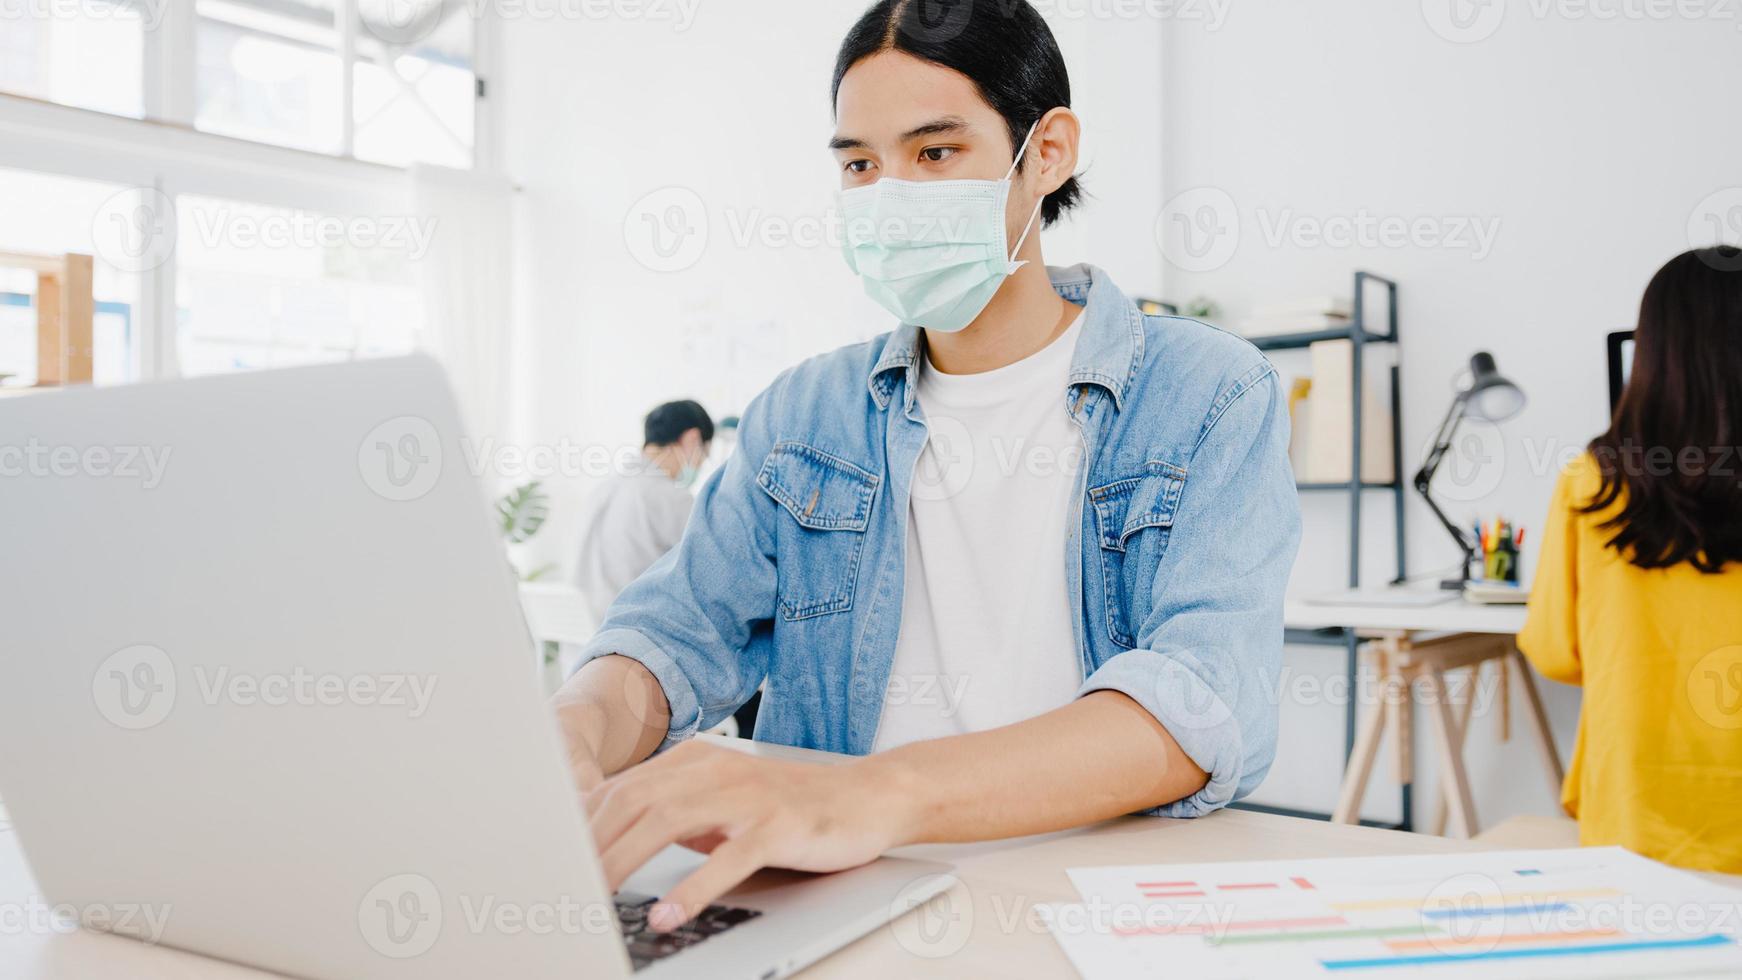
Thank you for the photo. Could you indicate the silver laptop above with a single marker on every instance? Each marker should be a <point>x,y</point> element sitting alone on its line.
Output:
<point>267,694</point>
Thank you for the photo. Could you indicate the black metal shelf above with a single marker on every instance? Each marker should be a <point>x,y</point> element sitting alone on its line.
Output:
<point>1393,485</point>
<point>1359,332</point>
<point>1307,338</point>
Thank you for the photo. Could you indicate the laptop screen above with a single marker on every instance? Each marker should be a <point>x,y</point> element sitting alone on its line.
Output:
<point>1620,364</point>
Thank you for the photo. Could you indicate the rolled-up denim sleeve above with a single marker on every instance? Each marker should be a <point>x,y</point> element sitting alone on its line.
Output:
<point>698,619</point>
<point>1208,658</point>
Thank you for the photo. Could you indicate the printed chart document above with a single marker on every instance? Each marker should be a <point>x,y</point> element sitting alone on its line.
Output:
<point>1588,913</point>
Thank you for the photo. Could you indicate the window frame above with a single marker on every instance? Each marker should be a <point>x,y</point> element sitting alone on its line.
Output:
<point>165,153</point>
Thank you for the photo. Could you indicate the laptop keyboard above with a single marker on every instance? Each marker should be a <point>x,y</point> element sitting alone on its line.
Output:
<point>647,947</point>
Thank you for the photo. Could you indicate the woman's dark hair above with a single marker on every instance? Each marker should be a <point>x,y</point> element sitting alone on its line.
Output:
<point>1001,45</point>
<point>1671,453</point>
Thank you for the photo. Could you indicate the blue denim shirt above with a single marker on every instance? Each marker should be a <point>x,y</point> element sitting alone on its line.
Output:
<point>792,568</point>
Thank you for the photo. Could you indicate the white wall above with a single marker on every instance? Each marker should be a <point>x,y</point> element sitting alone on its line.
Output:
<point>1587,144</point>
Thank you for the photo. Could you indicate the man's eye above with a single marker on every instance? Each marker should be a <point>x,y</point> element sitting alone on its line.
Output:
<point>937,154</point>
<point>858,166</point>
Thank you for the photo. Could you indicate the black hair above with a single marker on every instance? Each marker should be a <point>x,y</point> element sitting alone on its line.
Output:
<point>1670,455</point>
<point>1002,46</point>
<point>667,423</point>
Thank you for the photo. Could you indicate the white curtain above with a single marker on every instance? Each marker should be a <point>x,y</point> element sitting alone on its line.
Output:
<point>466,279</point>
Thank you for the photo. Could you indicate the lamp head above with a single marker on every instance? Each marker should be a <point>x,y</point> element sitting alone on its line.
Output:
<point>1491,396</point>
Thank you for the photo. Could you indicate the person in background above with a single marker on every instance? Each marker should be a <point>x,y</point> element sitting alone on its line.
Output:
<point>1639,595</point>
<point>640,514</point>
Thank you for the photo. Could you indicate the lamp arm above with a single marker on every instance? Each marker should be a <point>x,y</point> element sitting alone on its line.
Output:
<point>1424,477</point>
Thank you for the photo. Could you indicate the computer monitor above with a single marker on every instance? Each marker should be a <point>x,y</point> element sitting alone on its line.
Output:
<point>1620,364</point>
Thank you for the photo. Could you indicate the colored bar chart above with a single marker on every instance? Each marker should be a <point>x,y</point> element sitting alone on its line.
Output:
<point>1590,914</point>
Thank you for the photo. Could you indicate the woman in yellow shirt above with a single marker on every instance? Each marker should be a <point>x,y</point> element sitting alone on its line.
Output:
<point>1638,597</point>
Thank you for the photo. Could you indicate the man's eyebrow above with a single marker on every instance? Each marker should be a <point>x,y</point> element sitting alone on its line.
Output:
<point>937,127</point>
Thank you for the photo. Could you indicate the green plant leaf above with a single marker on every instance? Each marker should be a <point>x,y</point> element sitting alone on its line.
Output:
<point>522,511</point>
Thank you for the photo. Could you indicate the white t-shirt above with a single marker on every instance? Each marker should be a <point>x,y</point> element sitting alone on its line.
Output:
<point>631,520</point>
<point>986,636</point>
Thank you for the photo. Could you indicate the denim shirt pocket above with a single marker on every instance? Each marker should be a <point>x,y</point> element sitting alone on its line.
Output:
<point>817,552</point>
<point>1133,520</point>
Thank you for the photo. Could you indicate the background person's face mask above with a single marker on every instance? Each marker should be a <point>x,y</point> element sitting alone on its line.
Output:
<point>932,252</point>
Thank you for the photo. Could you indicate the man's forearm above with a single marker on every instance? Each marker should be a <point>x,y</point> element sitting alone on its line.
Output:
<point>1099,757</point>
<point>613,714</point>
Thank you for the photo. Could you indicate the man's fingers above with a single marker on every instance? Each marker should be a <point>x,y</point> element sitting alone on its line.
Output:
<point>731,863</point>
<point>616,806</point>
<point>651,834</point>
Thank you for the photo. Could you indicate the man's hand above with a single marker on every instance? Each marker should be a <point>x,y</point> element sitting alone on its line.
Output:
<point>746,813</point>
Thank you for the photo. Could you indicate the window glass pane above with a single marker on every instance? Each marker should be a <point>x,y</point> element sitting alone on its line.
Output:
<point>268,70</point>
<point>49,215</point>
<point>264,287</point>
<point>415,87</point>
<point>86,53</point>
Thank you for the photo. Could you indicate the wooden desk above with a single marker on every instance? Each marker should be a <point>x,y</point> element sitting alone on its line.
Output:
<point>983,926</point>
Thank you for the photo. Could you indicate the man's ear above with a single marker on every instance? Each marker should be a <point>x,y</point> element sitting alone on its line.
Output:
<point>1055,148</point>
<point>691,441</point>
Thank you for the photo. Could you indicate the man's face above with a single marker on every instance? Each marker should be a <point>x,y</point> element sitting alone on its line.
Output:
<point>898,116</point>
<point>692,449</point>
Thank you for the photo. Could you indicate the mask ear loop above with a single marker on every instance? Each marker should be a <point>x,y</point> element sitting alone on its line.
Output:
<point>1011,264</point>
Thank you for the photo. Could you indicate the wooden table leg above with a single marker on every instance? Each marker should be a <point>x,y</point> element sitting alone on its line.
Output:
<point>1466,711</point>
<point>1539,722</point>
<point>1402,714</point>
<point>1360,767</point>
<point>1454,779</point>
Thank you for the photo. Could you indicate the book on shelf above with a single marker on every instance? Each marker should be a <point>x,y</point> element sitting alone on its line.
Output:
<point>1326,453</point>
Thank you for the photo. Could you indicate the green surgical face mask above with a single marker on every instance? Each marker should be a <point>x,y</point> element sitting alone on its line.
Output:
<point>932,252</point>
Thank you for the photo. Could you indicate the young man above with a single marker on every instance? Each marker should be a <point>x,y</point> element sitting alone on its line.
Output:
<point>639,514</point>
<point>1025,554</point>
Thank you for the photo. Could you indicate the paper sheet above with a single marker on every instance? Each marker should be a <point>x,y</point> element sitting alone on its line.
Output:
<point>1589,913</point>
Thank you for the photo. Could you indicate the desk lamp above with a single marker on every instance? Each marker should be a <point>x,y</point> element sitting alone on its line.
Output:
<point>1489,397</point>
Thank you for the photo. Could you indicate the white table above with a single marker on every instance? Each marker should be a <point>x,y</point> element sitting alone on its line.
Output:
<point>1414,647</point>
<point>1453,616</point>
